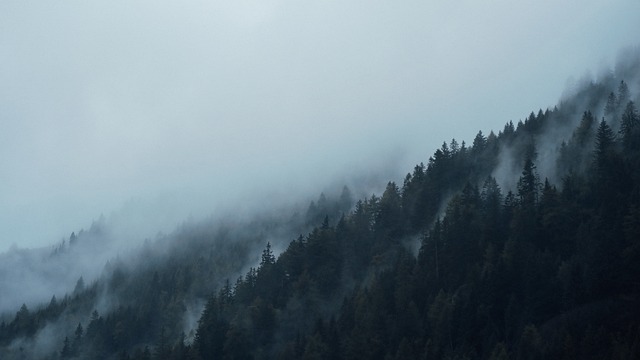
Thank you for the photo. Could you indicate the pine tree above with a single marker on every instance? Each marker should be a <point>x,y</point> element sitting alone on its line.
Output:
<point>611,106</point>
<point>630,129</point>
<point>623,94</point>
<point>267,258</point>
<point>528,184</point>
<point>79,286</point>
<point>479,142</point>
<point>23,321</point>
<point>211,331</point>
<point>583,134</point>
<point>66,351</point>
<point>453,145</point>
<point>77,340</point>
<point>605,140</point>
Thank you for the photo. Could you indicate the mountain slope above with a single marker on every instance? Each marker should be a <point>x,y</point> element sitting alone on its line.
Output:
<point>523,244</point>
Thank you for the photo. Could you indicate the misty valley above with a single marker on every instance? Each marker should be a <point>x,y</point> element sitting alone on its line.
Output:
<point>521,244</point>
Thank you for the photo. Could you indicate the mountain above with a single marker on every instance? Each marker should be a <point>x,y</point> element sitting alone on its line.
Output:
<point>524,244</point>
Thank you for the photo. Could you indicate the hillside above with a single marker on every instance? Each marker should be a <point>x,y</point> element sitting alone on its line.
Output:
<point>522,244</point>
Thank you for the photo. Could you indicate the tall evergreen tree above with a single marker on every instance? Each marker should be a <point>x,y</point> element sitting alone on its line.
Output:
<point>605,139</point>
<point>611,106</point>
<point>528,185</point>
<point>630,127</point>
<point>623,94</point>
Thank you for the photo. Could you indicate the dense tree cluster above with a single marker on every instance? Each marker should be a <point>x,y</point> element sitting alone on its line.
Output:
<point>448,265</point>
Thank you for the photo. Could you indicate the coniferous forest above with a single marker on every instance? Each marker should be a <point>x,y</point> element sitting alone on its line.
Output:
<point>521,244</point>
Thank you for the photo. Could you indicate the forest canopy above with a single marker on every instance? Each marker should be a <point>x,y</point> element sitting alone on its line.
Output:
<point>524,244</point>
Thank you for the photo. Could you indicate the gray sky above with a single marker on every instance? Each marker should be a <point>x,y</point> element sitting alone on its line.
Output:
<point>171,109</point>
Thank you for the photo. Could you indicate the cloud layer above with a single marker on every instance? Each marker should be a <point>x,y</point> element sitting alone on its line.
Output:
<point>177,109</point>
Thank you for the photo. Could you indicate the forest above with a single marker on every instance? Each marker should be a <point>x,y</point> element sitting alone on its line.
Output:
<point>523,244</point>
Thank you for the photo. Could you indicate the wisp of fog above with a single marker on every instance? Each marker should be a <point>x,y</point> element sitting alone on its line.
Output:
<point>172,111</point>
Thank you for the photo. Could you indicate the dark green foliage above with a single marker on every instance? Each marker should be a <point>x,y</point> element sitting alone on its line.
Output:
<point>66,351</point>
<point>630,129</point>
<point>575,155</point>
<point>212,329</point>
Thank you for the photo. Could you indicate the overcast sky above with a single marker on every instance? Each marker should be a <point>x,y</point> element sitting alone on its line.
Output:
<point>173,108</point>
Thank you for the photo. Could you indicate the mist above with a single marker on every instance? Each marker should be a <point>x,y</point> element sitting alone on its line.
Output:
<point>141,117</point>
<point>577,98</point>
<point>180,123</point>
<point>156,133</point>
<point>176,111</point>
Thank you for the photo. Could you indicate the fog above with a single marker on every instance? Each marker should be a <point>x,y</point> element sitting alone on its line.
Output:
<point>154,112</point>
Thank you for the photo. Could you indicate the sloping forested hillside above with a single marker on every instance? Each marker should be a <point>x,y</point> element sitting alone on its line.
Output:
<point>524,244</point>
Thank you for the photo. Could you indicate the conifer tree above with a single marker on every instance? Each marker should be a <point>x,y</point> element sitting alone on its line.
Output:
<point>611,106</point>
<point>623,94</point>
<point>528,184</point>
<point>66,351</point>
<point>605,139</point>
<point>630,127</point>
<point>267,258</point>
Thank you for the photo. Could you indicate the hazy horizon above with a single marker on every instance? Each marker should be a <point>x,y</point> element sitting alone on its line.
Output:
<point>158,112</point>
